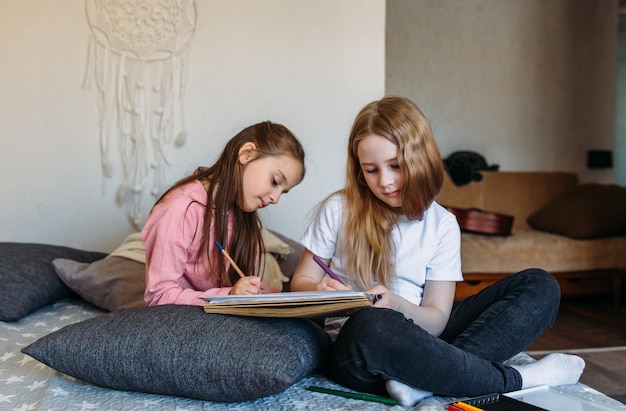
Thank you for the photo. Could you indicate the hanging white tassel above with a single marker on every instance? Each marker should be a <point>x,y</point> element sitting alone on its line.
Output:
<point>139,77</point>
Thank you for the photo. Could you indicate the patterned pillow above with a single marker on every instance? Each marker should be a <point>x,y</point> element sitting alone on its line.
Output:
<point>180,350</point>
<point>28,279</point>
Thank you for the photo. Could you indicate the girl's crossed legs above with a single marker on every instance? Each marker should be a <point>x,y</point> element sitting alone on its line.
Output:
<point>377,346</point>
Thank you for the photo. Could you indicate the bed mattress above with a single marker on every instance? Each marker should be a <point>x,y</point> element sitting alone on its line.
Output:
<point>26,384</point>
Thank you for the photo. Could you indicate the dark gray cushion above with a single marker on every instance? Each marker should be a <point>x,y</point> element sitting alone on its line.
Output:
<point>113,283</point>
<point>180,350</point>
<point>28,280</point>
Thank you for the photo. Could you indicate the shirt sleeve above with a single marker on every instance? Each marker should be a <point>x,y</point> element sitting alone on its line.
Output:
<point>172,235</point>
<point>446,261</point>
<point>320,237</point>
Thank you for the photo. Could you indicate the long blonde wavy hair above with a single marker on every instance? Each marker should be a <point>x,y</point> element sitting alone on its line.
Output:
<point>366,237</point>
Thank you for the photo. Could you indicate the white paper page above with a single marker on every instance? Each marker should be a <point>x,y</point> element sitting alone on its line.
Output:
<point>287,296</point>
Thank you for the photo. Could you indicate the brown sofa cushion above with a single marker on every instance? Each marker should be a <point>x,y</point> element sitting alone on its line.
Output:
<point>587,211</point>
<point>516,193</point>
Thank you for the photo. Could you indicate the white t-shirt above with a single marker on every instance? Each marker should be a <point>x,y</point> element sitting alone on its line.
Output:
<point>426,249</point>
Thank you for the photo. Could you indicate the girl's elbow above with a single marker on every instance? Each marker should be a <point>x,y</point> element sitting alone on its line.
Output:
<point>294,285</point>
<point>299,283</point>
<point>150,301</point>
<point>438,330</point>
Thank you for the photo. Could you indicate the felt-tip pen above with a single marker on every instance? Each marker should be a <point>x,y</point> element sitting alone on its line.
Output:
<point>328,271</point>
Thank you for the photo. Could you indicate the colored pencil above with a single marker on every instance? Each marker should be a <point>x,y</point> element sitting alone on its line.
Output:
<point>355,395</point>
<point>327,269</point>
<point>230,260</point>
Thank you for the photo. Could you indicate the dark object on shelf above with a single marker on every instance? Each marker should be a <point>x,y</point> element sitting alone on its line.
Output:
<point>465,166</point>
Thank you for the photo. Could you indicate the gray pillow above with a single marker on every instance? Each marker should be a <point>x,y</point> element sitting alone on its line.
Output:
<point>180,350</point>
<point>113,283</point>
<point>28,280</point>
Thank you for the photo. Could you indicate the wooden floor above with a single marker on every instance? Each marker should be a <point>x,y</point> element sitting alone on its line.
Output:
<point>593,330</point>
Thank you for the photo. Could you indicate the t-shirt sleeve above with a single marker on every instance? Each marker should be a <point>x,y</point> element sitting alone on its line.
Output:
<point>320,237</point>
<point>445,264</point>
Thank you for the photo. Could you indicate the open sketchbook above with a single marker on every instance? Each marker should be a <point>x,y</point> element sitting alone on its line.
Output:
<point>289,304</point>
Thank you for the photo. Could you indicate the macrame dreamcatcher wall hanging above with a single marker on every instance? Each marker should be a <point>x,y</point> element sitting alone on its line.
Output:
<point>138,59</point>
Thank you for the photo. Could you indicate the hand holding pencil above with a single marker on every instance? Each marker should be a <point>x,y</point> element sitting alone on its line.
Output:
<point>376,295</point>
<point>333,281</point>
<point>245,284</point>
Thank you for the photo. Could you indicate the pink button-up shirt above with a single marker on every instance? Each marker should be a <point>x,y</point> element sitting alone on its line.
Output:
<point>172,236</point>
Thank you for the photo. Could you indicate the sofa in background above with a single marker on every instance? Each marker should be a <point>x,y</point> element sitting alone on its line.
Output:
<point>575,231</point>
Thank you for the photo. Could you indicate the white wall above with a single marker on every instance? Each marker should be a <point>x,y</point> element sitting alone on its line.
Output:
<point>530,84</point>
<point>310,65</point>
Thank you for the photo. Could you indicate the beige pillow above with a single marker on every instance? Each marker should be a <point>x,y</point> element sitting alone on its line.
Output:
<point>113,283</point>
<point>275,250</point>
<point>587,211</point>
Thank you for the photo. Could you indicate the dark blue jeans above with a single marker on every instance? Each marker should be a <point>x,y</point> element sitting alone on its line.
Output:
<point>378,344</point>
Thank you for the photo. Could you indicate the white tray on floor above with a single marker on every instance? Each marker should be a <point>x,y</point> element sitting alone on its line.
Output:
<point>565,398</point>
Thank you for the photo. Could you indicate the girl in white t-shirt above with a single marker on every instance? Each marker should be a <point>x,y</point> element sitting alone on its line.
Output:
<point>384,233</point>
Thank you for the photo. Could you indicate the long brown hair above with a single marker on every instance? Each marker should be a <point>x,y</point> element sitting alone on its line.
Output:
<point>223,183</point>
<point>366,233</point>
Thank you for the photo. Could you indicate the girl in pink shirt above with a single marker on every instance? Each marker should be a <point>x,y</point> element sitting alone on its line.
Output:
<point>219,203</point>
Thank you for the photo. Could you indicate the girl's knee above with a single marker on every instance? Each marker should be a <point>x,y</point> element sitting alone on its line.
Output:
<point>544,290</point>
<point>369,327</point>
<point>542,281</point>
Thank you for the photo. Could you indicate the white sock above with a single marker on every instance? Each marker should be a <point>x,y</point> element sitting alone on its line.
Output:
<point>406,395</point>
<point>553,369</point>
